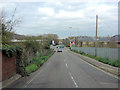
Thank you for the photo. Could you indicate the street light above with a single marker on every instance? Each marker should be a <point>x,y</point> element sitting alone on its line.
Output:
<point>76,37</point>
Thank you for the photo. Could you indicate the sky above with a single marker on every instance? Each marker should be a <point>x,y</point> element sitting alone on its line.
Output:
<point>64,17</point>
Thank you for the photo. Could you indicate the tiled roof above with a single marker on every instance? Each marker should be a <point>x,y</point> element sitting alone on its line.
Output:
<point>86,39</point>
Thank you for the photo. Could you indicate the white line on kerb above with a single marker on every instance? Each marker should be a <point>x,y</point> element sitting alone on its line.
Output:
<point>73,80</point>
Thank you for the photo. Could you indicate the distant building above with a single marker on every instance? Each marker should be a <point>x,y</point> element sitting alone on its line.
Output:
<point>71,41</point>
<point>18,37</point>
<point>103,42</point>
<point>115,40</point>
<point>85,41</point>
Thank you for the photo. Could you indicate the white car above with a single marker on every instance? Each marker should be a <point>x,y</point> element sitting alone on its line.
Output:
<point>59,50</point>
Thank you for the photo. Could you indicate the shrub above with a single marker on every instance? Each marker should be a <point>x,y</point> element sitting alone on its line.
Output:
<point>9,51</point>
<point>31,68</point>
<point>115,63</point>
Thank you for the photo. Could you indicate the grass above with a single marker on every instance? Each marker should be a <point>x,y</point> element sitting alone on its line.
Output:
<point>37,62</point>
<point>114,63</point>
<point>31,68</point>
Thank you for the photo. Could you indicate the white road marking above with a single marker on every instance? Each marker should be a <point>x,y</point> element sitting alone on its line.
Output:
<point>73,80</point>
<point>112,75</point>
<point>32,79</point>
<point>66,65</point>
<point>64,61</point>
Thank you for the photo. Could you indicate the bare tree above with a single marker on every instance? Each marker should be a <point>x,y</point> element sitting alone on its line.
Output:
<point>7,26</point>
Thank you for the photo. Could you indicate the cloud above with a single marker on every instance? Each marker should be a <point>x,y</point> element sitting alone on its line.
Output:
<point>52,15</point>
<point>69,7</point>
<point>59,3</point>
<point>59,0</point>
<point>46,11</point>
<point>61,13</point>
<point>69,14</point>
<point>44,18</point>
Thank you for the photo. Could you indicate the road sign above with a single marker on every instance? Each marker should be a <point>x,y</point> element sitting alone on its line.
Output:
<point>73,42</point>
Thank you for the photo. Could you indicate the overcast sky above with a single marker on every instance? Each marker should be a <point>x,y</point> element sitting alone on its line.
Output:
<point>56,16</point>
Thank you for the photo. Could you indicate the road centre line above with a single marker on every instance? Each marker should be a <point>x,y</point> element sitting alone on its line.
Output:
<point>66,65</point>
<point>73,80</point>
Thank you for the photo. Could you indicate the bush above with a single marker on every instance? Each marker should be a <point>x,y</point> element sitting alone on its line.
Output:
<point>42,61</point>
<point>9,51</point>
<point>36,60</point>
<point>115,63</point>
<point>31,68</point>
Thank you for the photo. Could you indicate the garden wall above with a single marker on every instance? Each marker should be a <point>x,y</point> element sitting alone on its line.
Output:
<point>8,66</point>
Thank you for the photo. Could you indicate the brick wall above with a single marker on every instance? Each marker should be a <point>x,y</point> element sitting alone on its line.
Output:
<point>8,66</point>
<point>0,67</point>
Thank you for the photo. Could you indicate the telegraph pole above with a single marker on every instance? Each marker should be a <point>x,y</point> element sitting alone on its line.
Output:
<point>96,35</point>
<point>77,39</point>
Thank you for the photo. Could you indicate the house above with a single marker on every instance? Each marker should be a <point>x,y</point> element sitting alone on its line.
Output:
<point>85,41</point>
<point>18,37</point>
<point>115,41</point>
<point>103,42</point>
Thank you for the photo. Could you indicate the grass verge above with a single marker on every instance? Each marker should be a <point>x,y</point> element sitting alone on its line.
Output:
<point>37,62</point>
<point>114,63</point>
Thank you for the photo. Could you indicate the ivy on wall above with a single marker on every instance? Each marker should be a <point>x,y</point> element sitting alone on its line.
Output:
<point>10,51</point>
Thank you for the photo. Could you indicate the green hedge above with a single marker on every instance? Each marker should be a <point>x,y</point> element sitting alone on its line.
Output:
<point>10,50</point>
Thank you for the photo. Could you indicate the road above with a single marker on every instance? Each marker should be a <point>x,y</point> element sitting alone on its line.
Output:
<point>66,70</point>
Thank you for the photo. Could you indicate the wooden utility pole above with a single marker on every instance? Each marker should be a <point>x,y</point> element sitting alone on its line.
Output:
<point>96,35</point>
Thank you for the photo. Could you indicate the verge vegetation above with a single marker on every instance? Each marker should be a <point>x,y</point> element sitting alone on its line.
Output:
<point>114,63</point>
<point>37,62</point>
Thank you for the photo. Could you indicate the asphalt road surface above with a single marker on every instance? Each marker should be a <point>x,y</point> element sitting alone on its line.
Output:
<point>66,70</point>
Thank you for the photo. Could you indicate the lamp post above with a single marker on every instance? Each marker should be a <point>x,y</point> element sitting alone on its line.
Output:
<point>77,38</point>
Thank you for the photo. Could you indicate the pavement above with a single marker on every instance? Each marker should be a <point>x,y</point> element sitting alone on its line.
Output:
<point>67,70</point>
<point>9,81</point>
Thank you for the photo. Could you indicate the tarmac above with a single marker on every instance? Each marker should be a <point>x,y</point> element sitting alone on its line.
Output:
<point>111,69</point>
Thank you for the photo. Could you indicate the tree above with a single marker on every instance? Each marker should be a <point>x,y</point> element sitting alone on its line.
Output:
<point>7,26</point>
<point>50,37</point>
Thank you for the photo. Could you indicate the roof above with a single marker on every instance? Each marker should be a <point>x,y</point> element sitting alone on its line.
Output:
<point>104,39</point>
<point>72,40</point>
<point>17,36</point>
<point>115,38</point>
<point>86,39</point>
